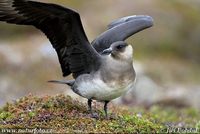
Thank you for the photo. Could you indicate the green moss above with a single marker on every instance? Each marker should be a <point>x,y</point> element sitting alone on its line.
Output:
<point>198,126</point>
<point>31,114</point>
<point>5,115</point>
<point>63,114</point>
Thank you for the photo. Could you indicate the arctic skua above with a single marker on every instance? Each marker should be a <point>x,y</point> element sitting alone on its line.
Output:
<point>102,70</point>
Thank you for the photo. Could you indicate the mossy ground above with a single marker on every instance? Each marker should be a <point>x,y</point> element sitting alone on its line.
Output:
<point>63,114</point>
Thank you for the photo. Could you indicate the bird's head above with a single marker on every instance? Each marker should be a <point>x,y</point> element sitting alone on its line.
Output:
<point>120,50</point>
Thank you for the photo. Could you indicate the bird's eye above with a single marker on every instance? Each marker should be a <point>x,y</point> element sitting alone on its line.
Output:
<point>120,46</point>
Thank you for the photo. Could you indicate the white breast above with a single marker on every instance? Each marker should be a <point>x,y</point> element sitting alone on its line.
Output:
<point>98,90</point>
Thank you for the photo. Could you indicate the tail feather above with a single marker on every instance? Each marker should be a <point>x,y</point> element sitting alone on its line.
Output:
<point>69,82</point>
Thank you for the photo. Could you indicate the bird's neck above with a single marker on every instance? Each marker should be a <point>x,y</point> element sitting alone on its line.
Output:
<point>117,70</point>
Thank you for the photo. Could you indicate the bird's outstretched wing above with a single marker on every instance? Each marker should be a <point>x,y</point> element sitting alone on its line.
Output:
<point>63,28</point>
<point>121,29</point>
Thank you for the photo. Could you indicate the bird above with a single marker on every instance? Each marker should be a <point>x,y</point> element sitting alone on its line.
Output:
<point>103,69</point>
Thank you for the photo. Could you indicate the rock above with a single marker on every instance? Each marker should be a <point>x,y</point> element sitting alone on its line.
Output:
<point>11,55</point>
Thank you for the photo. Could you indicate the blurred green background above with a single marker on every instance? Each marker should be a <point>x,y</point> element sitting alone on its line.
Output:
<point>166,56</point>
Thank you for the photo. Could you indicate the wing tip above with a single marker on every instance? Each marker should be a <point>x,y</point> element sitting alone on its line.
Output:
<point>147,19</point>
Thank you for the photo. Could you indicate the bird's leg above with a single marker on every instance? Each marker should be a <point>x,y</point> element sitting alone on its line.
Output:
<point>106,108</point>
<point>93,115</point>
<point>90,105</point>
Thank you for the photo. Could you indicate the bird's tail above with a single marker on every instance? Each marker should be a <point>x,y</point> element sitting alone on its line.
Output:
<point>69,82</point>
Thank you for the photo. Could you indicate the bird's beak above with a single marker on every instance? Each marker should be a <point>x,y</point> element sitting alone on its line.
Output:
<point>107,51</point>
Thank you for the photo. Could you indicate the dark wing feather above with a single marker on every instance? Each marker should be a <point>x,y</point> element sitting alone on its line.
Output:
<point>63,28</point>
<point>121,29</point>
